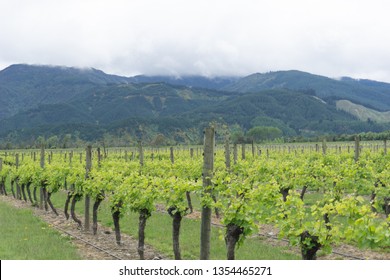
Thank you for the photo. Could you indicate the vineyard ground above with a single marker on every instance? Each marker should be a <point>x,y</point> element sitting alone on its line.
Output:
<point>341,252</point>
<point>156,235</point>
<point>105,239</point>
<point>159,228</point>
<point>25,236</point>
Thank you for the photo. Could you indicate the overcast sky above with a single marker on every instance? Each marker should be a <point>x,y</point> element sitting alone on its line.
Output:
<point>207,37</point>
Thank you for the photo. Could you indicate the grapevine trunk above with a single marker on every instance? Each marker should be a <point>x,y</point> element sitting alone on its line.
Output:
<point>176,223</point>
<point>144,214</point>
<point>309,246</point>
<point>50,203</point>
<point>116,216</point>
<point>98,200</point>
<point>232,236</point>
<point>76,197</point>
<point>67,201</point>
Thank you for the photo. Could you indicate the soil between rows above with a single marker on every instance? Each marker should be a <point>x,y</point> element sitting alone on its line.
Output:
<point>105,239</point>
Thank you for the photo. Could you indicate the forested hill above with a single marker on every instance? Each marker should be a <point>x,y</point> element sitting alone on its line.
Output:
<point>90,105</point>
<point>368,93</point>
<point>26,86</point>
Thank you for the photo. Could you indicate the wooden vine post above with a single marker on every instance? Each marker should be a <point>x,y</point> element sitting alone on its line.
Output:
<point>42,190</point>
<point>208,167</point>
<point>357,148</point>
<point>235,153</point>
<point>227,153</point>
<point>141,153</point>
<point>172,155</point>
<point>324,146</point>
<point>18,191</point>
<point>99,156</point>
<point>88,167</point>
<point>2,186</point>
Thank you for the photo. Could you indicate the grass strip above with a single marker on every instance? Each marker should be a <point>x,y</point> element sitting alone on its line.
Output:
<point>24,236</point>
<point>159,235</point>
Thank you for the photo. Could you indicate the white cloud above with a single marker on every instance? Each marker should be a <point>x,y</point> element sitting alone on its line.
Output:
<point>334,38</point>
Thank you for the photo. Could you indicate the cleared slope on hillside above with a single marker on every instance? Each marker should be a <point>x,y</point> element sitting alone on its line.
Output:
<point>363,113</point>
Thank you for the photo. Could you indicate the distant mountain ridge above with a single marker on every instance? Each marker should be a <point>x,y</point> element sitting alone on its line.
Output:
<point>26,86</point>
<point>36,100</point>
<point>189,81</point>
<point>368,93</point>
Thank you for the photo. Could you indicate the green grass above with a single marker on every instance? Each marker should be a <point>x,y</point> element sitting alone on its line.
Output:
<point>363,113</point>
<point>159,235</point>
<point>24,236</point>
<point>312,198</point>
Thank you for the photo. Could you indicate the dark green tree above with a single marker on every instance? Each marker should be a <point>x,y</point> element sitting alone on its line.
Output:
<point>263,133</point>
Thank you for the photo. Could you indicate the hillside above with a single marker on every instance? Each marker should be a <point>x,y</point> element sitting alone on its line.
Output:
<point>189,81</point>
<point>292,111</point>
<point>363,113</point>
<point>25,86</point>
<point>371,94</point>
<point>167,110</point>
<point>106,104</point>
<point>89,104</point>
